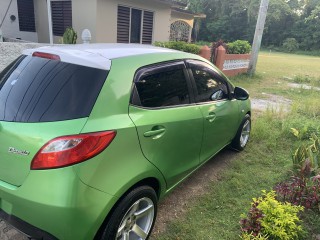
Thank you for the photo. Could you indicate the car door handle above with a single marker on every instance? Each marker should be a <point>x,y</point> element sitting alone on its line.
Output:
<point>211,117</point>
<point>153,133</point>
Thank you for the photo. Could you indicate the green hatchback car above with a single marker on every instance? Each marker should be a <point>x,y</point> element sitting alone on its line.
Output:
<point>94,135</point>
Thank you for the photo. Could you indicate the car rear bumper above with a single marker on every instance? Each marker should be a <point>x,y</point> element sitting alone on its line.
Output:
<point>54,204</point>
<point>29,230</point>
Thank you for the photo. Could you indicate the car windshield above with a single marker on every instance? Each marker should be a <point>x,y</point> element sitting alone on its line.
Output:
<point>34,89</point>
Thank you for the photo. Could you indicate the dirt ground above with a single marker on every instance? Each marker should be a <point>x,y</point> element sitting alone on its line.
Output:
<point>177,203</point>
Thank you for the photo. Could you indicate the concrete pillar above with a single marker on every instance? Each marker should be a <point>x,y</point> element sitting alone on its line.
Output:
<point>205,52</point>
<point>221,53</point>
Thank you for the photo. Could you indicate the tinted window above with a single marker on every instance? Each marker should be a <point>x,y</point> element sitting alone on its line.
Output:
<point>41,90</point>
<point>165,87</point>
<point>210,86</point>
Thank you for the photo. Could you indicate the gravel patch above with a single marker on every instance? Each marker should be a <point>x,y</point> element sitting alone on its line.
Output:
<point>9,233</point>
<point>10,51</point>
<point>303,86</point>
<point>272,102</point>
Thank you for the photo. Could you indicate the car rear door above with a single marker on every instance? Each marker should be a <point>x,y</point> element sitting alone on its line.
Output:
<point>220,111</point>
<point>168,123</point>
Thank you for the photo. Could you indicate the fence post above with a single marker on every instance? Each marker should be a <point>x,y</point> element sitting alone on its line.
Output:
<point>205,52</point>
<point>221,53</point>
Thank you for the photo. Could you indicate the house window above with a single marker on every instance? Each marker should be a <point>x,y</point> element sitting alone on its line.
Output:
<point>61,16</point>
<point>134,25</point>
<point>26,16</point>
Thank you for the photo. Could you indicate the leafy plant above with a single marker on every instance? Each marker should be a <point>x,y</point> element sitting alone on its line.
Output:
<point>180,46</point>
<point>290,45</point>
<point>70,36</point>
<point>250,236</point>
<point>239,47</point>
<point>307,156</point>
<point>272,219</point>
<point>301,191</point>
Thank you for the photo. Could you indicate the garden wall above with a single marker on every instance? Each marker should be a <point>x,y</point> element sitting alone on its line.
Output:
<point>232,64</point>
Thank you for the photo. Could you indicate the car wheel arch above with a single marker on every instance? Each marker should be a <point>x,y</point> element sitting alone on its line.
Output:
<point>149,181</point>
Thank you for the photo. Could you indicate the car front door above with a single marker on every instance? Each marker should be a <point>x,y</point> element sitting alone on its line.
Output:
<point>168,122</point>
<point>220,112</point>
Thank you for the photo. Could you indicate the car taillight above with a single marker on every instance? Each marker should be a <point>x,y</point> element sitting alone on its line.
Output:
<point>69,150</point>
<point>46,55</point>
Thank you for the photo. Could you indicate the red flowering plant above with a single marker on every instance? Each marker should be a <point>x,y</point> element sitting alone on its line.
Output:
<point>251,223</point>
<point>300,191</point>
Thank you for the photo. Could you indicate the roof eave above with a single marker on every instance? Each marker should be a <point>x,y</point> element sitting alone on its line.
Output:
<point>195,15</point>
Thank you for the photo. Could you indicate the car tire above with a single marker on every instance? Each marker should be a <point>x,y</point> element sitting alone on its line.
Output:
<point>243,134</point>
<point>134,216</point>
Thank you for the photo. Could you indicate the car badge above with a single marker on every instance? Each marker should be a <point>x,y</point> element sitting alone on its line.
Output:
<point>19,152</point>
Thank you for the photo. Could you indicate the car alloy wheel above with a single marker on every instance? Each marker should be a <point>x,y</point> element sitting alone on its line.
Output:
<point>244,137</point>
<point>243,134</point>
<point>137,222</point>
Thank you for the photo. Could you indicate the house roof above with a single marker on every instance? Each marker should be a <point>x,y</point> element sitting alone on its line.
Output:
<point>97,55</point>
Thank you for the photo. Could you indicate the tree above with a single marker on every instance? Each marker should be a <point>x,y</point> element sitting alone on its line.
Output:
<point>231,20</point>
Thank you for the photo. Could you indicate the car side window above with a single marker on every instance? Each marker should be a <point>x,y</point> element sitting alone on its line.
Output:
<point>163,86</point>
<point>209,85</point>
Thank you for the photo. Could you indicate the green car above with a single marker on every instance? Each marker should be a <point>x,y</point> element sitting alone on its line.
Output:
<point>94,135</point>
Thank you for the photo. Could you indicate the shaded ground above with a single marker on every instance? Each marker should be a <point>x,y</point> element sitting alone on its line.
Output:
<point>177,203</point>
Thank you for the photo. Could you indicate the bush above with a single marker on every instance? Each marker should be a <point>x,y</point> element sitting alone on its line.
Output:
<point>290,45</point>
<point>239,47</point>
<point>70,36</point>
<point>271,218</point>
<point>180,46</point>
<point>203,43</point>
<point>301,191</point>
<point>306,159</point>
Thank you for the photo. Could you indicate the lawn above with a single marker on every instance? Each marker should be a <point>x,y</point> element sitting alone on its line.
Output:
<point>267,159</point>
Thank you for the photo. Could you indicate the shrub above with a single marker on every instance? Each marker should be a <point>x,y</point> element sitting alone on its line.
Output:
<point>290,45</point>
<point>271,218</point>
<point>203,43</point>
<point>180,46</point>
<point>70,36</point>
<point>239,47</point>
<point>307,156</point>
<point>303,188</point>
<point>301,191</point>
<point>250,236</point>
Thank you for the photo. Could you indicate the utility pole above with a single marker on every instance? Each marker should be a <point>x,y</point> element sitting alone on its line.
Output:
<point>258,36</point>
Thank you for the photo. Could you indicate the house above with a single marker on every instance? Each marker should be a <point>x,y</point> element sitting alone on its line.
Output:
<point>122,21</point>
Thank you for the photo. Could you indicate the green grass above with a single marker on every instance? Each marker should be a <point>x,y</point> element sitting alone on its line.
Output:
<point>267,159</point>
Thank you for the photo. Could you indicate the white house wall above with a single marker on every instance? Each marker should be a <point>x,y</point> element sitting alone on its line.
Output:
<point>107,18</point>
<point>10,28</point>
<point>84,16</point>
<point>100,17</point>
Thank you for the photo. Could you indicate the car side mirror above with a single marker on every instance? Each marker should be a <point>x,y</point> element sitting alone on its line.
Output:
<point>241,94</point>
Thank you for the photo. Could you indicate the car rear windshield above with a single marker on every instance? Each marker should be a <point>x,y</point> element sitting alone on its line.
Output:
<point>34,89</point>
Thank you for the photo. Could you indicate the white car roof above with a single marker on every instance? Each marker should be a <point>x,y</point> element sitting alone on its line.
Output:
<point>97,55</point>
